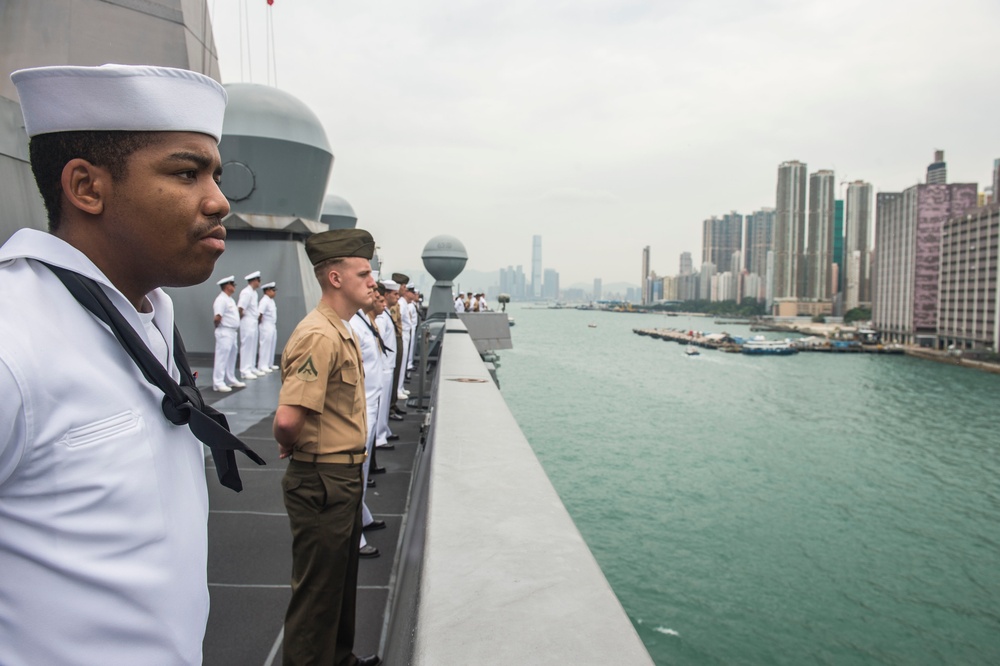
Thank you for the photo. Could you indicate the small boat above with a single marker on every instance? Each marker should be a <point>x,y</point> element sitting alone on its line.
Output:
<point>691,350</point>
<point>591,325</point>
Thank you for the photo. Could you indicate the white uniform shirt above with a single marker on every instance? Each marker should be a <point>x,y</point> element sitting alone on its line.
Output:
<point>387,330</point>
<point>412,319</point>
<point>248,302</point>
<point>483,305</point>
<point>268,310</point>
<point>103,502</point>
<point>225,307</point>
<point>459,305</point>
<point>371,358</point>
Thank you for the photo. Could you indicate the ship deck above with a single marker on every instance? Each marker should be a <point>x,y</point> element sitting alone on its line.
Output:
<point>249,558</point>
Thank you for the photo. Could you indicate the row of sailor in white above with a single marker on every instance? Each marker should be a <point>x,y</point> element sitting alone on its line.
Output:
<point>407,330</point>
<point>248,327</point>
<point>267,330</point>
<point>224,363</point>
<point>372,359</point>
<point>412,321</point>
<point>387,331</point>
<point>103,501</point>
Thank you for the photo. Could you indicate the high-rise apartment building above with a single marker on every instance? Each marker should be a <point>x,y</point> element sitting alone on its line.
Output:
<point>687,267</point>
<point>996,180</point>
<point>705,277</point>
<point>908,229</point>
<point>838,246</point>
<point>644,283</point>
<point>597,289</point>
<point>937,171</point>
<point>536,266</point>
<point>857,246</point>
<point>759,240</point>
<point>968,312</point>
<point>790,232</point>
<point>822,195</point>
<point>721,237</point>
<point>550,288</point>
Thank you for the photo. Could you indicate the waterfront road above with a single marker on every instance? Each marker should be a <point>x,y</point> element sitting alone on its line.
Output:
<point>249,550</point>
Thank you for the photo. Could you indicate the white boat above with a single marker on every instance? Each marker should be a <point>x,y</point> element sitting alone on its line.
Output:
<point>768,347</point>
<point>691,350</point>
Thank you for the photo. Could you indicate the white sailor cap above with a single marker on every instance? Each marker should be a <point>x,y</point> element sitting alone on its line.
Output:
<point>253,276</point>
<point>391,285</point>
<point>375,275</point>
<point>227,280</point>
<point>137,98</point>
<point>410,286</point>
<point>269,285</point>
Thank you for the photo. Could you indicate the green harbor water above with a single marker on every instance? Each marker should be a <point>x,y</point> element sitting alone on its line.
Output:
<point>811,509</point>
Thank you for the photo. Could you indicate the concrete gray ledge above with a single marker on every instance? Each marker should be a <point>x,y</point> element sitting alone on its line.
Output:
<point>506,577</point>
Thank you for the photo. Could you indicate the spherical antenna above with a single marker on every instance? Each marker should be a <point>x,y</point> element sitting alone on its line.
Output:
<point>444,258</point>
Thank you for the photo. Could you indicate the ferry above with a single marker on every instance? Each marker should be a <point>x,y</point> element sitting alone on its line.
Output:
<point>768,347</point>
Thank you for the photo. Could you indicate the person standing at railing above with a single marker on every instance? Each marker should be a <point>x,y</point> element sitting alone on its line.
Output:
<point>321,424</point>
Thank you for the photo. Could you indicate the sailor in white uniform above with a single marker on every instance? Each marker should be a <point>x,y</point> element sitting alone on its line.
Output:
<point>227,324</point>
<point>387,330</point>
<point>268,329</point>
<point>414,321</point>
<point>371,358</point>
<point>249,320</point>
<point>103,501</point>
<point>404,322</point>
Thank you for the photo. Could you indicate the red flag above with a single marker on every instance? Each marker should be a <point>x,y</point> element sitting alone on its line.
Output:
<point>270,2</point>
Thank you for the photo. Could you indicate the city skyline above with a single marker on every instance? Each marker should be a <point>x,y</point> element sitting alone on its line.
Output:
<point>590,124</point>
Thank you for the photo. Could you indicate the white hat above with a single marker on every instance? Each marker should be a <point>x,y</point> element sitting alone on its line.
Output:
<point>134,98</point>
<point>253,276</point>
<point>227,280</point>
<point>269,285</point>
<point>409,286</point>
<point>391,285</point>
<point>375,275</point>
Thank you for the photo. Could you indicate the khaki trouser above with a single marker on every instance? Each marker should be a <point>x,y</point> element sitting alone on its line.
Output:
<point>323,501</point>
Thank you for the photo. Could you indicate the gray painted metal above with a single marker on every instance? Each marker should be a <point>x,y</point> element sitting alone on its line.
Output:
<point>339,214</point>
<point>444,258</point>
<point>289,178</point>
<point>20,203</point>
<point>490,331</point>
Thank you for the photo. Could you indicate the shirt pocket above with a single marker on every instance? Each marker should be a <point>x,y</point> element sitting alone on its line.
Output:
<point>106,470</point>
<point>350,396</point>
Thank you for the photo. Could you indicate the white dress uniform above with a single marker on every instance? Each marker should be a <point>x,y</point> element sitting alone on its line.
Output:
<point>413,322</point>
<point>459,305</point>
<point>268,332</point>
<point>483,305</point>
<point>224,366</point>
<point>371,358</point>
<point>404,323</point>
<point>387,331</point>
<point>248,332</point>
<point>103,502</point>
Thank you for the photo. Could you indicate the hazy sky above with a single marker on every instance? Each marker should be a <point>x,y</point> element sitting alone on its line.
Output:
<point>607,125</point>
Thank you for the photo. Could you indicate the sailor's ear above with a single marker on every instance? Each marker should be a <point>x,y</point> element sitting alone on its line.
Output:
<point>85,186</point>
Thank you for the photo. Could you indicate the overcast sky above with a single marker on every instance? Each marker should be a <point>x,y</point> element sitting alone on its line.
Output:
<point>607,125</point>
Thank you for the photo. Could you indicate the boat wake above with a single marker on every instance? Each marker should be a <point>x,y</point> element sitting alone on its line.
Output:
<point>668,632</point>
